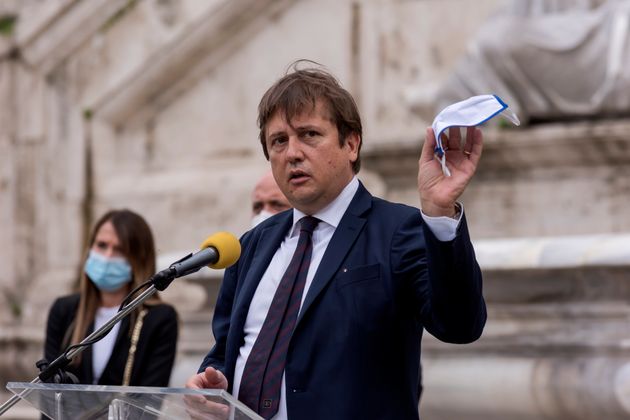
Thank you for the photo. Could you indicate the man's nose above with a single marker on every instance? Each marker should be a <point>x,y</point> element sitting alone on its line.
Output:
<point>294,149</point>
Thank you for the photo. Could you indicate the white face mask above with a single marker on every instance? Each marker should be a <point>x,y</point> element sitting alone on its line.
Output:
<point>468,113</point>
<point>260,217</point>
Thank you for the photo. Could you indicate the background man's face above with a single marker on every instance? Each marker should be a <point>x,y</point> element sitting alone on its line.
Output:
<point>267,197</point>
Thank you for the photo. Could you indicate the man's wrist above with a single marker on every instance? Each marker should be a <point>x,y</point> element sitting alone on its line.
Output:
<point>436,211</point>
<point>443,227</point>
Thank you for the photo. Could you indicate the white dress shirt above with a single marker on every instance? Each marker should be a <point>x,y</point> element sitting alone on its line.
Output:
<point>443,227</point>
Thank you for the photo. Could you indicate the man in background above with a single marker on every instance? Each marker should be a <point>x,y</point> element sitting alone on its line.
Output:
<point>267,199</point>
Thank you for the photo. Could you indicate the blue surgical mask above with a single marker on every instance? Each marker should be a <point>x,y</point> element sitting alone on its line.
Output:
<point>107,274</point>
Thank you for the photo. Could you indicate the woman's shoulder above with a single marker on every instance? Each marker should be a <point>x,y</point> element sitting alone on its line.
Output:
<point>68,302</point>
<point>161,319</point>
<point>161,310</point>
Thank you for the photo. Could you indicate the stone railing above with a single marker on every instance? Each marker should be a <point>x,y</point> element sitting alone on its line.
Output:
<point>557,341</point>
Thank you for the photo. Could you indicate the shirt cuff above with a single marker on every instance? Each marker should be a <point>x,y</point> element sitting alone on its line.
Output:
<point>444,228</point>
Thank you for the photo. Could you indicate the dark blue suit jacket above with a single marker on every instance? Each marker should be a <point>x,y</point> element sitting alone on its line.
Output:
<point>355,351</point>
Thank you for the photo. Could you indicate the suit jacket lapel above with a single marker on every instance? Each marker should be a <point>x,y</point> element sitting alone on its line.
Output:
<point>342,240</point>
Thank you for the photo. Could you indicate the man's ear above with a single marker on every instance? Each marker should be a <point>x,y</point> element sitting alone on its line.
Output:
<point>353,141</point>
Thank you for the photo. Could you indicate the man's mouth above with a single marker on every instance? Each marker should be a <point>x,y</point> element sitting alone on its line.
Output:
<point>296,177</point>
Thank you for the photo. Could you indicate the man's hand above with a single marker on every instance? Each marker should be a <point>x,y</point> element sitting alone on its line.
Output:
<point>201,407</point>
<point>438,193</point>
<point>210,378</point>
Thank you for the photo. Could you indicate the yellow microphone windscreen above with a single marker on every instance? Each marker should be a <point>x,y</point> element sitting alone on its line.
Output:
<point>228,247</point>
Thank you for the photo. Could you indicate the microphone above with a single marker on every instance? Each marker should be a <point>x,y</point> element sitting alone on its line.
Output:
<point>220,250</point>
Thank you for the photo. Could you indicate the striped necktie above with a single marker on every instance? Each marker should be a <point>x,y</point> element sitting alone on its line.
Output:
<point>262,375</point>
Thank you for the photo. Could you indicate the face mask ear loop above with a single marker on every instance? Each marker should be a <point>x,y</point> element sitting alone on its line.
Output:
<point>443,163</point>
<point>511,116</point>
<point>437,152</point>
<point>440,155</point>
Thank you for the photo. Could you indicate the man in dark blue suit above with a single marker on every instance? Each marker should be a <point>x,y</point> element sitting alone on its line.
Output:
<point>372,276</point>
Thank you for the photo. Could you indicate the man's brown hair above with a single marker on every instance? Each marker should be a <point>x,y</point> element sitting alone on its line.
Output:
<point>298,91</point>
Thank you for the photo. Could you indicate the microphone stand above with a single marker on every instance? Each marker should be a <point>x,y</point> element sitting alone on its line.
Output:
<point>160,281</point>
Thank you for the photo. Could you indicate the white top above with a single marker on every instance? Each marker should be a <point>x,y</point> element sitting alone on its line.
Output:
<point>102,350</point>
<point>330,217</point>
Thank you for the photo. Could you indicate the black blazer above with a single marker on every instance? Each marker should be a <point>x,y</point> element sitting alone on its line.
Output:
<point>155,352</point>
<point>355,349</point>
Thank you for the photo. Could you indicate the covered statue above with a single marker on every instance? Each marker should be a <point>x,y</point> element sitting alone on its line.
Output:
<point>550,60</point>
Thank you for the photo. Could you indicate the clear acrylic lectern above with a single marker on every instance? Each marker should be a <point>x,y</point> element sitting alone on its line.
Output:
<point>73,402</point>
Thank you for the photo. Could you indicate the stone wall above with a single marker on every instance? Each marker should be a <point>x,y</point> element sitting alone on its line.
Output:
<point>151,105</point>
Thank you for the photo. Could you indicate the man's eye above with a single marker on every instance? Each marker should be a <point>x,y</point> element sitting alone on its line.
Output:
<point>311,133</point>
<point>278,141</point>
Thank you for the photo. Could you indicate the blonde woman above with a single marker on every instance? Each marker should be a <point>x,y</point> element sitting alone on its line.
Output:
<point>140,349</point>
